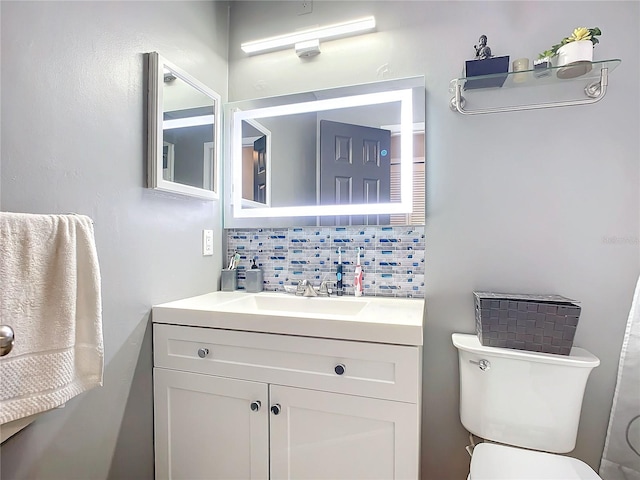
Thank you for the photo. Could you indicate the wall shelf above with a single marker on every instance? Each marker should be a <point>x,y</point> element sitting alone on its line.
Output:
<point>594,83</point>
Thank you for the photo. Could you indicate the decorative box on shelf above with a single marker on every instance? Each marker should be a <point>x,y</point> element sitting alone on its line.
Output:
<point>538,323</point>
<point>487,66</point>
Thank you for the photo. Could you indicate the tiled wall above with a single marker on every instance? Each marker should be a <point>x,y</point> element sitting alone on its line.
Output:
<point>392,257</point>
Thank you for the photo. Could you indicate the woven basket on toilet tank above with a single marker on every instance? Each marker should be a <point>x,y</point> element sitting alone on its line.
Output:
<point>538,323</point>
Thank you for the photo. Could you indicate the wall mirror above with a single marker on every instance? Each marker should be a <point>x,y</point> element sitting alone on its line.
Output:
<point>343,156</point>
<point>183,132</point>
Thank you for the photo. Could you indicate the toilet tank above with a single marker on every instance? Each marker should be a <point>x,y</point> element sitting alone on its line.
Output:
<point>521,398</point>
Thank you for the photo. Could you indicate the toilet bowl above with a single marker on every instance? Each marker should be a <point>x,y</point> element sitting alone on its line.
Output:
<point>526,406</point>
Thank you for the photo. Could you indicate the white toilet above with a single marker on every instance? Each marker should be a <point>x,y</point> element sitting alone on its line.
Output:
<point>527,402</point>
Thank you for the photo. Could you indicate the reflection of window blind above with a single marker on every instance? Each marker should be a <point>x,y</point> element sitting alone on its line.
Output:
<point>419,185</point>
<point>417,217</point>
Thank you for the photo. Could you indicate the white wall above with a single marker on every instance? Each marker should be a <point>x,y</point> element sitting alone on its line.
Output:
<point>541,202</point>
<point>74,140</point>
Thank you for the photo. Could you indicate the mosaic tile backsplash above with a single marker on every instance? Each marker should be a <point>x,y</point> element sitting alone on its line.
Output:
<point>392,258</point>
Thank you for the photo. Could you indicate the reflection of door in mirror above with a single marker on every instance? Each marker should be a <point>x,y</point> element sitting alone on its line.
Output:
<point>254,172</point>
<point>259,169</point>
<point>255,155</point>
<point>354,168</point>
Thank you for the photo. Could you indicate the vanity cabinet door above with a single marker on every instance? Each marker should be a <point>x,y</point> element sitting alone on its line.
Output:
<point>323,435</point>
<point>209,427</point>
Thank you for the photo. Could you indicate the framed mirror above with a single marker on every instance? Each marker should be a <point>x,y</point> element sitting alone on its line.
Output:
<point>342,156</point>
<point>183,132</point>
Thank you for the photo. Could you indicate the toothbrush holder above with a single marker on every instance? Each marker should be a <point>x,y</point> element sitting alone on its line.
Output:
<point>229,281</point>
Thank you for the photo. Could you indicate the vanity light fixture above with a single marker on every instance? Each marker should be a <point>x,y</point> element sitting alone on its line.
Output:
<point>337,30</point>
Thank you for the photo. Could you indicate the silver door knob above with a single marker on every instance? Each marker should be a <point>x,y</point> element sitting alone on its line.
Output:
<point>203,352</point>
<point>275,409</point>
<point>255,406</point>
<point>7,339</point>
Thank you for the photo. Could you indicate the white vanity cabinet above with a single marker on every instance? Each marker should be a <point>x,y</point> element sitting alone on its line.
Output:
<point>205,428</point>
<point>255,405</point>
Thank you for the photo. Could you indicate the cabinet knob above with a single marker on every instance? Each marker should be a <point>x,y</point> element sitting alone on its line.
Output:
<point>255,406</point>
<point>203,352</point>
<point>340,369</point>
<point>275,409</point>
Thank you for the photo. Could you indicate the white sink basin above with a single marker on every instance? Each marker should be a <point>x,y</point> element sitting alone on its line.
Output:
<point>373,319</point>
<point>300,306</point>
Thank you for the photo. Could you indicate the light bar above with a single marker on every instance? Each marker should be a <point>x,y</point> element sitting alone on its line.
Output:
<point>330,31</point>
<point>187,122</point>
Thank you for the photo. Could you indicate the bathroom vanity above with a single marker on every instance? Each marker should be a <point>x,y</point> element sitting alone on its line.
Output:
<point>270,385</point>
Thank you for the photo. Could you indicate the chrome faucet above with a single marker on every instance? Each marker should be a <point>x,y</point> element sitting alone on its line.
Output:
<point>306,289</point>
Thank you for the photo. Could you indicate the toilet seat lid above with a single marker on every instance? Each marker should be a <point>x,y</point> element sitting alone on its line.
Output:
<point>491,461</point>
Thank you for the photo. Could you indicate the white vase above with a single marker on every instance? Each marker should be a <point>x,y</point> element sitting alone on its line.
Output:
<point>575,58</point>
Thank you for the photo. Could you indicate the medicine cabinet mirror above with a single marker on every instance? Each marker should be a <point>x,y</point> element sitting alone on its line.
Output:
<point>183,132</point>
<point>343,156</point>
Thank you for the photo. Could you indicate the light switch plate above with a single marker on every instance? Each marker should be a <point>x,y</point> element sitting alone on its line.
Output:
<point>207,242</point>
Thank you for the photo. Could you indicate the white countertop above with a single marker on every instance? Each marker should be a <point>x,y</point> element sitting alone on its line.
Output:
<point>373,319</point>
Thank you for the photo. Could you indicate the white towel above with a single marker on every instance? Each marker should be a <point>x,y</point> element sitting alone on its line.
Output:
<point>50,296</point>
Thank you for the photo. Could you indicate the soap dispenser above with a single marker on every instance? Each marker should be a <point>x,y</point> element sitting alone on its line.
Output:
<point>358,288</point>
<point>254,279</point>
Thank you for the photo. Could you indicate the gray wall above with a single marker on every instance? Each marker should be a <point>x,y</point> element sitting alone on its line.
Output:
<point>541,202</point>
<point>73,140</point>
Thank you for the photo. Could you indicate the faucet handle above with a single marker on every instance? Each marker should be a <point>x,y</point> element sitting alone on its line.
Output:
<point>324,287</point>
<point>305,288</point>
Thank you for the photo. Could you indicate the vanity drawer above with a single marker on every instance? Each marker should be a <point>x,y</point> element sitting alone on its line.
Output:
<point>373,370</point>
